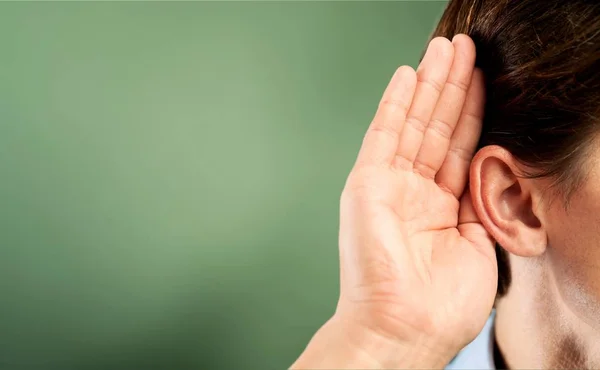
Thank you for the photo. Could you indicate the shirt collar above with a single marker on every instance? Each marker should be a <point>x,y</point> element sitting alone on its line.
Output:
<point>479,354</point>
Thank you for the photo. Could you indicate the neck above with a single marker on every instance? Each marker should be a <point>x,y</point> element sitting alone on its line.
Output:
<point>536,329</point>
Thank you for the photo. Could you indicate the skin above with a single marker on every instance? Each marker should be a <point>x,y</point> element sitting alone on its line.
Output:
<point>413,252</point>
<point>550,317</point>
<point>418,272</point>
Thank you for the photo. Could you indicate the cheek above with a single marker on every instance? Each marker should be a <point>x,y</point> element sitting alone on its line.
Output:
<point>574,255</point>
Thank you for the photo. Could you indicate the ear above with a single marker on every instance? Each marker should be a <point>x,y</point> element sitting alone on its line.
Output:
<point>507,205</point>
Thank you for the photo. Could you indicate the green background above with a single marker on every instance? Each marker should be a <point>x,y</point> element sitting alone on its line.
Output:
<point>170,174</point>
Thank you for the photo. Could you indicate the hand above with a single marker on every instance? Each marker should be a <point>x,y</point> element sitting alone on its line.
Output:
<point>418,270</point>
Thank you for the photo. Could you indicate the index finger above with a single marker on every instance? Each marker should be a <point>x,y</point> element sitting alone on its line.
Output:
<point>454,172</point>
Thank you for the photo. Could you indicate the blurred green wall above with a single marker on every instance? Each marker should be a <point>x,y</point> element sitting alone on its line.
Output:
<point>170,174</point>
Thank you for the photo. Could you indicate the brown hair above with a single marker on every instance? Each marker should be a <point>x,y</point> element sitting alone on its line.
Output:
<point>541,62</point>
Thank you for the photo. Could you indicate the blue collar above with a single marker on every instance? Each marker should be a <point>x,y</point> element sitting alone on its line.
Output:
<point>479,354</point>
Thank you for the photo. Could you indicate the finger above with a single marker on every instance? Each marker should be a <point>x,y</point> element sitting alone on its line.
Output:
<point>381,140</point>
<point>436,139</point>
<point>431,76</point>
<point>454,172</point>
<point>471,228</point>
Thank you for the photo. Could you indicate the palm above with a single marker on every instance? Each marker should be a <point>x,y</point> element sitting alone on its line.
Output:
<point>449,265</point>
<point>413,253</point>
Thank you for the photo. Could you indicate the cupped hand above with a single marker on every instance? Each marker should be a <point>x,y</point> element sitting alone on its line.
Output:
<point>415,260</point>
<point>417,266</point>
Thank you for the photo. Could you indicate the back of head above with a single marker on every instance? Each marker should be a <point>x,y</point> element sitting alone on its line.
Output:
<point>541,62</point>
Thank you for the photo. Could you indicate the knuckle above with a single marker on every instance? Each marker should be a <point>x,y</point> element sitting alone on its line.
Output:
<point>394,104</point>
<point>459,84</point>
<point>382,130</point>
<point>461,153</point>
<point>436,85</point>
<point>417,123</point>
<point>441,128</point>
<point>475,116</point>
<point>424,169</point>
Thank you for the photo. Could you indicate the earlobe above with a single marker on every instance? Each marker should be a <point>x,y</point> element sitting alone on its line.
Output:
<point>504,202</point>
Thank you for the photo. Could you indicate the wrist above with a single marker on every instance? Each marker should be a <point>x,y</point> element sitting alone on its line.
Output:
<point>341,343</point>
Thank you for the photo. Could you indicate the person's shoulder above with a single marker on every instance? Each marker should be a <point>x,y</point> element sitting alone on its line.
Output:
<point>479,354</point>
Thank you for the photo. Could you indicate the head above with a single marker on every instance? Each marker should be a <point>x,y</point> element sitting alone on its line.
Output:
<point>535,180</point>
